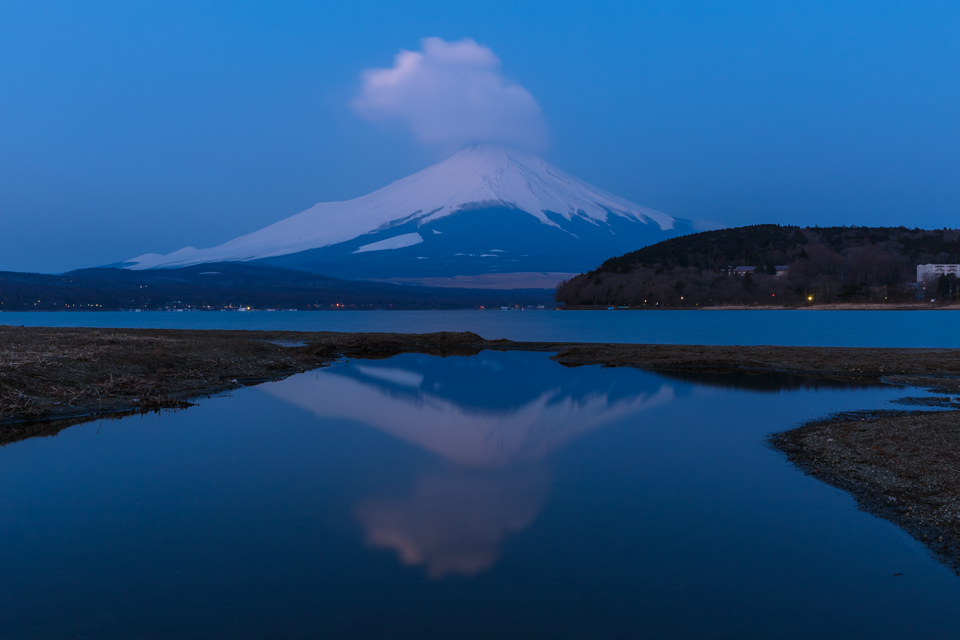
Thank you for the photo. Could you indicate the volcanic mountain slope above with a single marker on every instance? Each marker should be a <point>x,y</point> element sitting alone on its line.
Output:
<point>486,210</point>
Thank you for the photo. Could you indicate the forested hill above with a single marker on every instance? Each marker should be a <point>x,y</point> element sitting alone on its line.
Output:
<point>754,245</point>
<point>828,264</point>
<point>772,244</point>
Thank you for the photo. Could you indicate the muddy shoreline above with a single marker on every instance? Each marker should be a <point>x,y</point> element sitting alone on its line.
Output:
<point>902,465</point>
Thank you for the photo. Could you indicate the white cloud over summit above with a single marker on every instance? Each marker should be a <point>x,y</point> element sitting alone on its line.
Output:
<point>452,94</point>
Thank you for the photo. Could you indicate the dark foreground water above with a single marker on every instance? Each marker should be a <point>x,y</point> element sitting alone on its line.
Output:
<point>494,496</point>
<point>795,328</point>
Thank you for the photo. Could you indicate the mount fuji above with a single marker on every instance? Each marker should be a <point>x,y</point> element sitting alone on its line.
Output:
<point>487,216</point>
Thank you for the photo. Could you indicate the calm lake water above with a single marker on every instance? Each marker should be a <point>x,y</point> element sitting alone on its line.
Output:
<point>796,328</point>
<point>493,496</point>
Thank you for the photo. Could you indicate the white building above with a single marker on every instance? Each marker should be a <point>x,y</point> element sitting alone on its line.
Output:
<point>930,272</point>
<point>781,270</point>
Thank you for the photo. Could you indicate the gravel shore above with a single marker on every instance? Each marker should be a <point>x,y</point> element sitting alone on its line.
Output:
<point>903,466</point>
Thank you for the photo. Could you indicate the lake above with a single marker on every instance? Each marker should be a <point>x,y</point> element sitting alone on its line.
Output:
<point>492,496</point>
<point>775,327</point>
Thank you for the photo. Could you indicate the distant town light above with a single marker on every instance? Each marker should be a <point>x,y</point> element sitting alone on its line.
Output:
<point>809,297</point>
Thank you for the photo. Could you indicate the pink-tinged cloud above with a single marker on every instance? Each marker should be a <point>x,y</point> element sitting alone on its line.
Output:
<point>450,95</point>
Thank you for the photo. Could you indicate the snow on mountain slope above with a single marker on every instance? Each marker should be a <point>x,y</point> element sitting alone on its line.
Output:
<point>396,242</point>
<point>477,177</point>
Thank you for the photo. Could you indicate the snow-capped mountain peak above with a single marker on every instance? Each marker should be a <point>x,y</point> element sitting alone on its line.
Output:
<point>483,176</point>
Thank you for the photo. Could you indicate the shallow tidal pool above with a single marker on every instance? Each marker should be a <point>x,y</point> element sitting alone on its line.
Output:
<point>492,496</point>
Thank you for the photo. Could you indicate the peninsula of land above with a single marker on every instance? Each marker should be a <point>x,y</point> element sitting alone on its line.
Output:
<point>769,265</point>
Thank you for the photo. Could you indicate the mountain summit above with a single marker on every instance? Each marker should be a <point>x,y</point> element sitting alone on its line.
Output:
<point>486,210</point>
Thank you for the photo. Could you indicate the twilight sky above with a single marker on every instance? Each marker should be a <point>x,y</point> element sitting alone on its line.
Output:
<point>128,128</point>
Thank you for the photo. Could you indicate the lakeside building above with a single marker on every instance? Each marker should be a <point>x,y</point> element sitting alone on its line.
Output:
<point>781,270</point>
<point>929,272</point>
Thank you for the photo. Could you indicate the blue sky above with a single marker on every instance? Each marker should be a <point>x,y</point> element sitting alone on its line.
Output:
<point>134,127</point>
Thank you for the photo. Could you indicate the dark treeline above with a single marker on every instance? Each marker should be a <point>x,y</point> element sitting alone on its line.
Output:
<point>233,285</point>
<point>826,265</point>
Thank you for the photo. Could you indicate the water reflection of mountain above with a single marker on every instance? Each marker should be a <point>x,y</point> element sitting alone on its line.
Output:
<point>495,381</point>
<point>493,420</point>
<point>487,411</point>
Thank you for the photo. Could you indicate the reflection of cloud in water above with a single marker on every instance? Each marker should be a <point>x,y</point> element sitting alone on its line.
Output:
<point>454,522</point>
<point>390,374</point>
<point>469,438</point>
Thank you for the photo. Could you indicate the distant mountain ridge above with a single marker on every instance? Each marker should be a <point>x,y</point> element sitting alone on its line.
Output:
<point>233,285</point>
<point>487,209</point>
